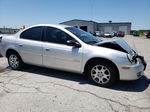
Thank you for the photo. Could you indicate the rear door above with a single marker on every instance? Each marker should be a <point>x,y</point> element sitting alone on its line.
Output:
<point>56,52</point>
<point>30,45</point>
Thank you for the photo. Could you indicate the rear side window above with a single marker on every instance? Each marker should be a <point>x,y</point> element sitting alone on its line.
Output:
<point>58,36</point>
<point>32,33</point>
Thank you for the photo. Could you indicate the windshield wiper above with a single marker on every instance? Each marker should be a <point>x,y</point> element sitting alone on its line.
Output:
<point>98,43</point>
<point>92,42</point>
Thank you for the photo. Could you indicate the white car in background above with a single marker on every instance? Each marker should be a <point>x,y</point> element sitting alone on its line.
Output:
<point>99,34</point>
<point>107,34</point>
<point>71,49</point>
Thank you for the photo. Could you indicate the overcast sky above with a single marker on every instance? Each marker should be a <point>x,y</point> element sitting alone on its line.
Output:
<point>15,13</point>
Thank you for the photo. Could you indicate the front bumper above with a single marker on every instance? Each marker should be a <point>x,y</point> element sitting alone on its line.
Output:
<point>135,72</point>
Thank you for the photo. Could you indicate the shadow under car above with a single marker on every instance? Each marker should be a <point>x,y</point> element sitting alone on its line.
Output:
<point>130,86</point>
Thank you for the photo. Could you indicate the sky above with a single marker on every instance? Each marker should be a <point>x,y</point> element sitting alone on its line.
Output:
<point>16,13</point>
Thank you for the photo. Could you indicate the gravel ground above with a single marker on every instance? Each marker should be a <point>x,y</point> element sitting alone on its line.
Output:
<point>37,89</point>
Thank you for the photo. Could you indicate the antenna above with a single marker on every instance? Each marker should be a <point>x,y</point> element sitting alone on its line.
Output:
<point>92,9</point>
<point>91,1</point>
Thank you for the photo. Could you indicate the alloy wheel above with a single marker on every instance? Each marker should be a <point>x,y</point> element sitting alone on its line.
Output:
<point>14,61</point>
<point>100,74</point>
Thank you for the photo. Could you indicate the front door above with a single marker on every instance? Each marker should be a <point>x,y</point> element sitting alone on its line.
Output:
<point>56,52</point>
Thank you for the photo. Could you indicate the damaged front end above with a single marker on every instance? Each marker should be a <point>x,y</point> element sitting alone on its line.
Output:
<point>121,45</point>
<point>112,45</point>
<point>116,44</point>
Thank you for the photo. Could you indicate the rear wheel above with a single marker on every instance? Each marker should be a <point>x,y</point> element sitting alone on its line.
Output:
<point>102,73</point>
<point>15,61</point>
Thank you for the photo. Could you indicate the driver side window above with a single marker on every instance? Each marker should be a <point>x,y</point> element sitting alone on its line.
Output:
<point>54,35</point>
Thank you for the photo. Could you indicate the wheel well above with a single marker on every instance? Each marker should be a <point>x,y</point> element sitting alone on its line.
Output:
<point>9,51</point>
<point>100,59</point>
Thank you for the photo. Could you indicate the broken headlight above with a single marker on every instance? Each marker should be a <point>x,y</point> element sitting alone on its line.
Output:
<point>131,58</point>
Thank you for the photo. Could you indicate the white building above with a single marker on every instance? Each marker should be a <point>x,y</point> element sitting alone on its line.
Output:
<point>92,27</point>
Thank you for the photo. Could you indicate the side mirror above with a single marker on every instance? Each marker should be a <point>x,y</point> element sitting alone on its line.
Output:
<point>73,43</point>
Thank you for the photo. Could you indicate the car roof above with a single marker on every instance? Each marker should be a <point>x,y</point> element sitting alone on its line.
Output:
<point>52,25</point>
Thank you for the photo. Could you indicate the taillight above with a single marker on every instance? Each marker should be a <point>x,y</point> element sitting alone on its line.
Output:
<point>1,38</point>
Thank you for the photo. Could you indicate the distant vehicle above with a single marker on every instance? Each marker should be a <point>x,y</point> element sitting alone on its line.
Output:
<point>136,34</point>
<point>120,34</point>
<point>70,49</point>
<point>148,35</point>
<point>145,33</point>
<point>99,34</point>
<point>107,34</point>
<point>114,33</point>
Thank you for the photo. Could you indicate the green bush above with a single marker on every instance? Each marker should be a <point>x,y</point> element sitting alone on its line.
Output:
<point>141,32</point>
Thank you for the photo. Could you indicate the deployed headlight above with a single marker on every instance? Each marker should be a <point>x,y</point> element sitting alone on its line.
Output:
<point>131,58</point>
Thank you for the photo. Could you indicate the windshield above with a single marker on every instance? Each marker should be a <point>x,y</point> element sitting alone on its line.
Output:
<point>84,36</point>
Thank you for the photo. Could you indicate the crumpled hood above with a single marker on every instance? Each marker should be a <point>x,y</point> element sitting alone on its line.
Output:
<point>113,43</point>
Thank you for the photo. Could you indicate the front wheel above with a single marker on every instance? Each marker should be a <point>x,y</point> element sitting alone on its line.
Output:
<point>102,73</point>
<point>15,61</point>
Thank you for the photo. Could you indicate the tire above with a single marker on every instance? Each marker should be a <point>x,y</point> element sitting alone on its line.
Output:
<point>15,61</point>
<point>102,73</point>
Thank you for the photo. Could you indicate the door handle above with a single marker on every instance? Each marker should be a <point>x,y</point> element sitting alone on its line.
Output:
<point>20,45</point>
<point>47,49</point>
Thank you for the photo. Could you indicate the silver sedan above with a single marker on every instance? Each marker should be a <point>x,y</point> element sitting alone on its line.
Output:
<point>71,49</point>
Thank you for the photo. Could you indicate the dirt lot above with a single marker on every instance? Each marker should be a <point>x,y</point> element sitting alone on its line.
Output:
<point>38,89</point>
